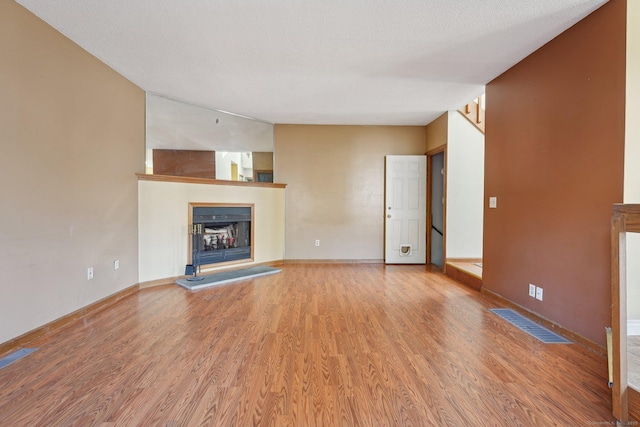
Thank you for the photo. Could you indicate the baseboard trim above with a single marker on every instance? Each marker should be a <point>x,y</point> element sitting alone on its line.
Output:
<point>172,280</point>
<point>463,276</point>
<point>160,282</point>
<point>22,340</point>
<point>633,327</point>
<point>560,330</point>
<point>333,261</point>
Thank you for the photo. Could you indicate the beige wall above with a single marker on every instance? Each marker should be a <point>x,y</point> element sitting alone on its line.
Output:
<point>632,153</point>
<point>164,218</point>
<point>437,132</point>
<point>72,138</point>
<point>335,186</point>
<point>632,109</point>
<point>262,161</point>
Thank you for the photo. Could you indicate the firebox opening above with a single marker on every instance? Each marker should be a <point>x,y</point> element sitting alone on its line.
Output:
<point>224,233</point>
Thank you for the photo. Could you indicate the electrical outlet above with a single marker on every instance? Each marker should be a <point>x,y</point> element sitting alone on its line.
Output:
<point>317,242</point>
<point>532,290</point>
<point>89,273</point>
<point>538,293</point>
<point>116,264</point>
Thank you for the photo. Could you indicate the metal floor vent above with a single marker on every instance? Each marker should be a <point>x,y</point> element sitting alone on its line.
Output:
<point>530,327</point>
<point>16,355</point>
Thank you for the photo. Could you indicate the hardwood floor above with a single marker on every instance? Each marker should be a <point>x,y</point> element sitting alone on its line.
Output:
<point>470,267</point>
<point>351,345</point>
<point>466,273</point>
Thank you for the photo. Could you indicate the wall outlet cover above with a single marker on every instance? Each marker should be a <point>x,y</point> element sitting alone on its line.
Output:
<point>539,293</point>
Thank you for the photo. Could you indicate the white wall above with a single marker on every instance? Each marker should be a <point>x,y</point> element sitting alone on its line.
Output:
<point>224,159</point>
<point>335,186</point>
<point>246,163</point>
<point>465,188</point>
<point>163,211</point>
<point>223,164</point>
<point>633,276</point>
<point>632,153</point>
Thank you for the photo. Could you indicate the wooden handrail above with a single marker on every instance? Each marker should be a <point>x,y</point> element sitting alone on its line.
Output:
<point>625,219</point>
<point>474,112</point>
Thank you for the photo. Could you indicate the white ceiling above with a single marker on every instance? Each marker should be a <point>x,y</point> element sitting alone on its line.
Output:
<point>368,62</point>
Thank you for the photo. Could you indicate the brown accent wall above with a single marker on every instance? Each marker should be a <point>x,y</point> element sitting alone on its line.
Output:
<point>194,163</point>
<point>335,186</point>
<point>72,139</point>
<point>554,160</point>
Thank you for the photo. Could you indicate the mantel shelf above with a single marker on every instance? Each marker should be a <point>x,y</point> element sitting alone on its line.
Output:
<point>192,180</point>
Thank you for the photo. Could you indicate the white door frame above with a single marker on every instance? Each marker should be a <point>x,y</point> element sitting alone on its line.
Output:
<point>405,209</point>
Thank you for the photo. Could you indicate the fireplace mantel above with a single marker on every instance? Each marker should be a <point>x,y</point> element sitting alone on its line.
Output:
<point>192,180</point>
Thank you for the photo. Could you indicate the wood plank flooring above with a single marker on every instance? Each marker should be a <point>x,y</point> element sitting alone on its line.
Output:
<point>315,345</point>
<point>469,267</point>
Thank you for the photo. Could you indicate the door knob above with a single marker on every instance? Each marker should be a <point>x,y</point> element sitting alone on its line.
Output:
<point>389,216</point>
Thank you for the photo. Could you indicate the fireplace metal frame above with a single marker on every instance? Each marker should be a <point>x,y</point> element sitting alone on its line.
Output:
<point>228,255</point>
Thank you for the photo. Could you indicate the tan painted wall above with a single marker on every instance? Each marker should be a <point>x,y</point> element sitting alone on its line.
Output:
<point>554,158</point>
<point>632,109</point>
<point>437,132</point>
<point>262,161</point>
<point>164,219</point>
<point>335,186</point>
<point>72,138</point>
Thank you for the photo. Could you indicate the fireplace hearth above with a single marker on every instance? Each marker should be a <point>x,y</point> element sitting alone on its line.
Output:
<point>223,233</point>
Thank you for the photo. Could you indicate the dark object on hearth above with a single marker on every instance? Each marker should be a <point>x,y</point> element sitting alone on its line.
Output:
<point>198,243</point>
<point>226,233</point>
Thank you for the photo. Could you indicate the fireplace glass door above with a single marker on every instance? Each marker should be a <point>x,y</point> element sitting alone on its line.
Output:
<point>223,233</point>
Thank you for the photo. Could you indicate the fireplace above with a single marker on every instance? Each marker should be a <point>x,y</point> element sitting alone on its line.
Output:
<point>220,233</point>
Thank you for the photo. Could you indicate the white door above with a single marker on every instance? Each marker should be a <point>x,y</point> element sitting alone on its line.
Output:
<point>405,209</point>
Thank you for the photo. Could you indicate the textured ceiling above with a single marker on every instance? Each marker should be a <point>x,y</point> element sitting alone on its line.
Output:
<point>372,62</point>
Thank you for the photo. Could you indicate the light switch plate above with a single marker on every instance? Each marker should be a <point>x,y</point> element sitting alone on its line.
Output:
<point>493,202</point>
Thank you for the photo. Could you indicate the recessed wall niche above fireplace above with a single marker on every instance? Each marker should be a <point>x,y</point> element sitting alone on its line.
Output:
<point>223,233</point>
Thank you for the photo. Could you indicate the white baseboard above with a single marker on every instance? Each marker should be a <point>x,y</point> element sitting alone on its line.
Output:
<point>633,327</point>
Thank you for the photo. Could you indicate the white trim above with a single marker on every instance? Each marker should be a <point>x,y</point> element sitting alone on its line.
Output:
<point>633,327</point>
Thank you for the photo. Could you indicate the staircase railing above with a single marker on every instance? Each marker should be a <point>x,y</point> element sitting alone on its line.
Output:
<point>474,112</point>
